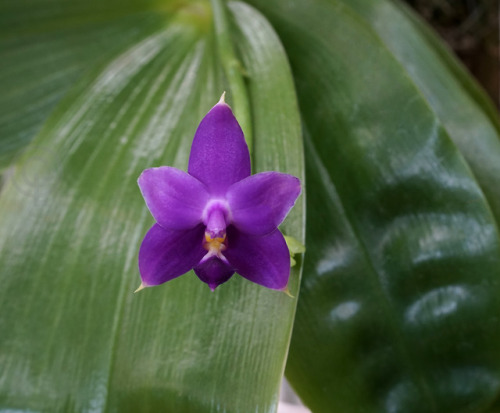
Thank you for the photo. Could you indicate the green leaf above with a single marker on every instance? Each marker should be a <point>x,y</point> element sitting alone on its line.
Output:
<point>47,45</point>
<point>452,63</point>
<point>462,109</point>
<point>399,299</point>
<point>295,247</point>
<point>72,219</point>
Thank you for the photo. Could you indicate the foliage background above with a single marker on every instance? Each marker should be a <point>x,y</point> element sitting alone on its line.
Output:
<point>400,154</point>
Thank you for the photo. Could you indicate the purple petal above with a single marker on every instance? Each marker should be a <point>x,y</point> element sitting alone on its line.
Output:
<point>219,154</point>
<point>261,202</point>
<point>265,260</point>
<point>175,199</point>
<point>213,272</point>
<point>166,254</point>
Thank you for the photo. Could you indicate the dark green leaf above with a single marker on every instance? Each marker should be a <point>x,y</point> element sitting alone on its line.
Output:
<point>449,60</point>
<point>453,96</point>
<point>399,303</point>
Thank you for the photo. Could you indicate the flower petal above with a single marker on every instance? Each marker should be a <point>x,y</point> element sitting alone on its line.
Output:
<point>175,199</point>
<point>214,272</point>
<point>261,202</point>
<point>219,154</point>
<point>265,260</point>
<point>166,254</point>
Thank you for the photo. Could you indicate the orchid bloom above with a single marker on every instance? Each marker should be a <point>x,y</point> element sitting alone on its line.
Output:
<point>217,219</point>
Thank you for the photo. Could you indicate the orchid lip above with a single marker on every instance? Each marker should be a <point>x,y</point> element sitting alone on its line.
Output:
<point>215,246</point>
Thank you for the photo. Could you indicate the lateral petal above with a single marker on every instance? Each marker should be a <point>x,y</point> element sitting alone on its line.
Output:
<point>261,202</point>
<point>166,254</point>
<point>175,199</point>
<point>264,260</point>
<point>219,154</point>
<point>214,272</point>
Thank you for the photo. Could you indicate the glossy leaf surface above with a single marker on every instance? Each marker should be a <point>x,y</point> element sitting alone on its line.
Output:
<point>72,219</point>
<point>399,303</point>
<point>463,111</point>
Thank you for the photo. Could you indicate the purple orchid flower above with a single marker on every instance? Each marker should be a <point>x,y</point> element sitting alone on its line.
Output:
<point>217,219</point>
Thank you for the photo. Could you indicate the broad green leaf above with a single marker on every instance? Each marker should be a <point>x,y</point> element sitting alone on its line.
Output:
<point>399,302</point>
<point>45,46</point>
<point>465,115</point>
<point>447,58</point>
<point>72,219</point>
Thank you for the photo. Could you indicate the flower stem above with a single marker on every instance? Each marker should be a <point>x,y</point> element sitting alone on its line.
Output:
<point>233,69</point>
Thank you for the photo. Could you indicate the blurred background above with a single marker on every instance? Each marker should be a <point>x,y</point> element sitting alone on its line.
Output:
<point>471,29</point>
